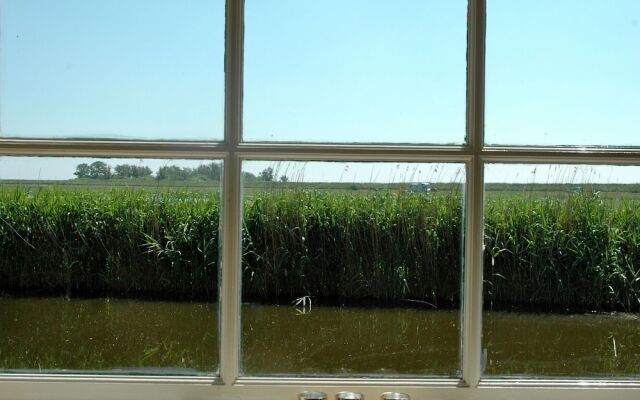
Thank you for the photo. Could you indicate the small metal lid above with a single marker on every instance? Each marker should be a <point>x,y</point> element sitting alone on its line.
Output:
<point>312,396</point>
<point>394,396</point>
<point>349,396</point>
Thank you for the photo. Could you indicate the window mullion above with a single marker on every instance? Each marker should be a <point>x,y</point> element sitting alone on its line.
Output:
<point>232,217</point>
<point>230,279</point>
<point>472,296</point>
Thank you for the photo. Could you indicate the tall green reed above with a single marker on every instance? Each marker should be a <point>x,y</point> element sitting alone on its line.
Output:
<point>115,242</point>
<point>576,252</point>
<point>332,246</point>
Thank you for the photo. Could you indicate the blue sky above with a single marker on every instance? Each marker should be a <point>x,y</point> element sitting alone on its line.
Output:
<point>563,72</point>
<point>558,72</point>
<point>143,69</point>
<point>355,71</point>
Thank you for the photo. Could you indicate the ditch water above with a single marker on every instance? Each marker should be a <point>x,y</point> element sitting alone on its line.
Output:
<point>142,337</point>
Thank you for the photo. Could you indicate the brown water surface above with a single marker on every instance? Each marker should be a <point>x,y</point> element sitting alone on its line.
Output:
<point>131,336</point>
<point>596,345</point>
<point>349,341</point>
<point>110,335</point>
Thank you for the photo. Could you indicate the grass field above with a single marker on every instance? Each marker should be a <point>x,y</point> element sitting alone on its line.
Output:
<point>547,246</point>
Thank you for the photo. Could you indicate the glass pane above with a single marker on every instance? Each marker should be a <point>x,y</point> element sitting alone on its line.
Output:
<point>563,72</point>
<point>561,270</point>
<point>109,265</point>
<point>355,71</point>
<point>351,268</point>
<point>104,69</point>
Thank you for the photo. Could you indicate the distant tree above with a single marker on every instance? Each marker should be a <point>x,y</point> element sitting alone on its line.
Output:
<point>132,171</point>
<point>267,175</point>
<point>212,171</point>
<point>173,172</point>
<point>82,170</point>
<point>122,171</point>
<point>284,179</point>
<point>99,170</point>
<point>249,177</point>
<point>141,171</point>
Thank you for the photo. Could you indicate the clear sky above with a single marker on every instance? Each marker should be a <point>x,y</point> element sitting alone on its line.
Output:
<point>563,72</point>
<point>144,69</point>
<point>356,70</point>
<point>558,71</point>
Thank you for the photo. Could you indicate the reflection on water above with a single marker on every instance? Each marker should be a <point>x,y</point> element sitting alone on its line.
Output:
<point>562,345</point>
<point>339,340</point>
<point>172,338</point>
<point>101,334</point>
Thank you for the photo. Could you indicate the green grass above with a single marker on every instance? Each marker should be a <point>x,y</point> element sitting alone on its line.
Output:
<point>84,184</point>
<point>116,242</point>
<point>572,252</point>
<point>387,246</point>
<point>553,249</point>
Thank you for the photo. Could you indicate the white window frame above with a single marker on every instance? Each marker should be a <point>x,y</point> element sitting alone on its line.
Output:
<point>232,150</point>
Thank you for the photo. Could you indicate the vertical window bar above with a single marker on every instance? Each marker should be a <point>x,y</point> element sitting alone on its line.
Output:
<point>231,238</point>
<point>476,32</point>
<point>233,67</point>
<point>472,289</point>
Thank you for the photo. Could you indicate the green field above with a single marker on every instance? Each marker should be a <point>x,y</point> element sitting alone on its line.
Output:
<point>554,247</point>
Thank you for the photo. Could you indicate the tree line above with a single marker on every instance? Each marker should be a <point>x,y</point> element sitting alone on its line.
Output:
<point>211,171</point>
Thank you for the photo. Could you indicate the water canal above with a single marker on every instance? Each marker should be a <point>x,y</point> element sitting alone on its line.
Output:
<point>144,337</point>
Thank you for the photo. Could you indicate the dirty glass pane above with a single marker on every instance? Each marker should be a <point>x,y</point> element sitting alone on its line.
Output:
<point>561,271</point>
<point>109,265</point>
<point>351,268</point>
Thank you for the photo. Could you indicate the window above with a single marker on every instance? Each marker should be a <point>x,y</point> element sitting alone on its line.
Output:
<point>379,58</point>
<point>357,233</point>
<point>110,265</point>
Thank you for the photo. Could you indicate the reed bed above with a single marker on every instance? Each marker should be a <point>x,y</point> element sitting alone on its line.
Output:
<point>567,252</point>
<point>119,242</point>
<point>379,247</point>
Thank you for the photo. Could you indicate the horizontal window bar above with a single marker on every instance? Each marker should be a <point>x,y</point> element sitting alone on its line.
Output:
<point>355,154</point>
<point>370,389</point>
<point>112,148</point>
<point>601,156</point>
<point>540,151</point>
<point>312,151</point>
<point>81,378</point>
<point>559,383</point>
<point>397,382</point>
